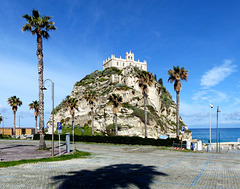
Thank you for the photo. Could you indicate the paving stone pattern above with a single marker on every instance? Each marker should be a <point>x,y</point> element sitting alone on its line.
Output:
<point>122,166</point>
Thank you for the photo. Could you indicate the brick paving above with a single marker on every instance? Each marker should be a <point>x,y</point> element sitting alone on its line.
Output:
<point>122,166</point>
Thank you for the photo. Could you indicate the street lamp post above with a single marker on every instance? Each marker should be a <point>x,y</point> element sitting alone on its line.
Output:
<point>217,128</point>
<point>210,134</point>
<point>19,119</point>
<point>3,123</point>
<point>52,112</point>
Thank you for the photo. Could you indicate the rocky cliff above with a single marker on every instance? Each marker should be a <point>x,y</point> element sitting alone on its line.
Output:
<point>161,109</point>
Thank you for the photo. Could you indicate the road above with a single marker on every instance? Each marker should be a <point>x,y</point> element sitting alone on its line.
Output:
<point>123,166</point>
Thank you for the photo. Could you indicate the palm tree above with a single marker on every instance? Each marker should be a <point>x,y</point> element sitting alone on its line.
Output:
<point>71,104</point>
<point>116,100</point>
<point>176,75</point>
<point>1,119</point>
<point>35,106</point>
<point>14,102</point>
<point>91,97</point>
<point>40,26</point>
<point>145,80</point>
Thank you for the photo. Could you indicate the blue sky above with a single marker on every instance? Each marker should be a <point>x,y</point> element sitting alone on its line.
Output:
<point>202,36</point>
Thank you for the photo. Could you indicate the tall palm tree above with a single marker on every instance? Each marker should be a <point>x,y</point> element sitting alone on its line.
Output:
<point>35,106</point>
<point>40,26</point>
<point>91,97</point>
<point>145,80</point>
<point>116,100</point>
<point>14,102</point>
<point>71,104</point>
<point>176,75</point>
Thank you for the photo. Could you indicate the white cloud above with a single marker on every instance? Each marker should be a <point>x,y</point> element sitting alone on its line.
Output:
<point>217,74</point>
<point>213,95</point>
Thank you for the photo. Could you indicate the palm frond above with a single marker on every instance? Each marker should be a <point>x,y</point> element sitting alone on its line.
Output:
<point>35,13</point>
<point>45,34</point>
<point>27,17</point>
<point>176,75</point>
<point>35,22</point>
<point>13,101</point>
<point>50,27</point>
<point>26,27</point>
<point>33,32</point>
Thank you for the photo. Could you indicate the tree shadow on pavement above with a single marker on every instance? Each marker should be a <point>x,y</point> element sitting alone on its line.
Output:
<point>113,176</point>
<point>14,146</point>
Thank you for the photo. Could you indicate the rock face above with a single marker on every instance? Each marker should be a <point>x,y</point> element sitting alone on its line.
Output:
<point>161,109</point>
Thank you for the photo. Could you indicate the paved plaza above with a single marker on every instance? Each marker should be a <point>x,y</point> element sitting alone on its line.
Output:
<point>122,166</point>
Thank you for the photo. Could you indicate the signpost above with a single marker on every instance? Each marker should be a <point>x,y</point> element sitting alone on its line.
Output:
<point>182,129</point>
<point>59,128</point>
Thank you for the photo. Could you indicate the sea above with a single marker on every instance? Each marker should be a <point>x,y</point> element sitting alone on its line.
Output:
<point>224,134</point>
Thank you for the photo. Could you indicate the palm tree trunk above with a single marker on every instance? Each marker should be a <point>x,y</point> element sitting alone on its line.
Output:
<point>177,114</point>
<point>14,123</point>
<point>35,124</point>
<point>92,121</point>
<point>116,129</point>
<point>145,116</point>
<point>42,144</point>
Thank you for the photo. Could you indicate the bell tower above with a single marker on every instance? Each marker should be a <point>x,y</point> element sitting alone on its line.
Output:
<point>129,56</point>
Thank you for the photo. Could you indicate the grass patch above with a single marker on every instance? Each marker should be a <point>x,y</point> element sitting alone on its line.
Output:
<point>78,130</point>
<point>77,154</point>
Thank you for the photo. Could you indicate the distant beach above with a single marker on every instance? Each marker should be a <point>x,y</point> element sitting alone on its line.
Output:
<point>226,134</point>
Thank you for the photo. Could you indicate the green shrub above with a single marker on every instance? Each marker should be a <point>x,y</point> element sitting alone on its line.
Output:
<point>89,78</point>
<point>122,86</point>
<point>103,79</point>
<point>110,71</point>
<point>110,129</point>
<point>115,140</point>
<point>187,131</point>
<point>78,130</point>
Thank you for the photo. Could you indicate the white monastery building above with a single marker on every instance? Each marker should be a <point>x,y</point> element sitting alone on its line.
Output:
<point>122,63</point>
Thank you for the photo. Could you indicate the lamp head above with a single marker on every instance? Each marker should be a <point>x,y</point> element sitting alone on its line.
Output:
<point>44,88</point>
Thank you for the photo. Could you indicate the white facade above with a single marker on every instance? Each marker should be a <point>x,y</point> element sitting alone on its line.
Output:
<point>122,63</point>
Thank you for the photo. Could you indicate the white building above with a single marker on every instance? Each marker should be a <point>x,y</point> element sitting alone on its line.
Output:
<point>121,63</point>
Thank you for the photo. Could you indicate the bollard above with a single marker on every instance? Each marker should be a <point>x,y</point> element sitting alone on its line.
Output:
<point>209,148</point>
<point>188,145</point>
<point>68,142</point>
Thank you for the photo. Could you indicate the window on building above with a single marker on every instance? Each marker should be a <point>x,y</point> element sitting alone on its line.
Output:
<point>117,63</point>
<point>123,64</point>
<point>128,57</point>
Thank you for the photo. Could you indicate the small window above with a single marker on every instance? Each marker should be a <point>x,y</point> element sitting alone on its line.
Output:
<point>123,64</point>
<point>128,57</point>
<point>117,63</point>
